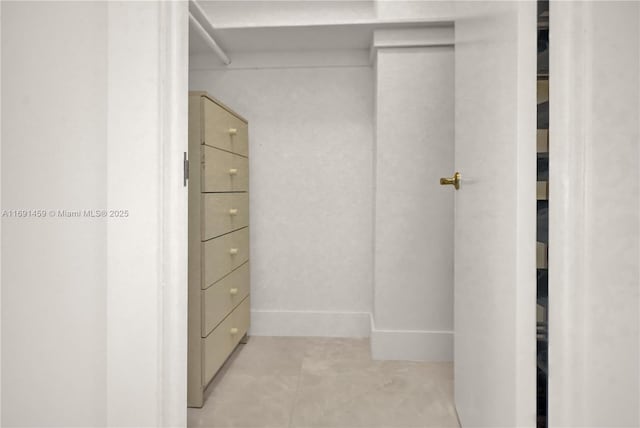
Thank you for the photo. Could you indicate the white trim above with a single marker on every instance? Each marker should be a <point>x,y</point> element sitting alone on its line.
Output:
<point>439,35</point>
<point>174,75</point>
<point>146,252</point>
<point>526,217</point>
<point>411,345</point>
<point>309,323</point>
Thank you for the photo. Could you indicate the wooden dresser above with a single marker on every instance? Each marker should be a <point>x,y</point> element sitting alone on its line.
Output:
<point>218,238</point>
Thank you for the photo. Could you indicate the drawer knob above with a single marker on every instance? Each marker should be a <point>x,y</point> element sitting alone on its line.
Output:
<point>233,291</point>
<point>233,131</point>
<point>233,211</point>
<point>233,251</point>
<point>233,171</point>
<point>233,331</point>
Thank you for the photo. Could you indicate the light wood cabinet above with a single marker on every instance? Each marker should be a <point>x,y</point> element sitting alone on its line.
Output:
<point>219,280</point>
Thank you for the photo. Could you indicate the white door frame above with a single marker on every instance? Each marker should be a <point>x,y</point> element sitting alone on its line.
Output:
<point>147,253</point>
<point>568,58</point>
<point>569,92</point>
<point>174,55</point>
<point>592,315</point>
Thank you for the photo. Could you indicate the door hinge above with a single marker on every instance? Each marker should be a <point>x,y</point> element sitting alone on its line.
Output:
<point>185,166</point>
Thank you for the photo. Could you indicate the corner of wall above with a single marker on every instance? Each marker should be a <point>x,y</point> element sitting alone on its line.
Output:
<point>412,345</point>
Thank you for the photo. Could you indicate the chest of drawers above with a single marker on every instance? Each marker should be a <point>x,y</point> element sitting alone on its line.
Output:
<point>219,281</point>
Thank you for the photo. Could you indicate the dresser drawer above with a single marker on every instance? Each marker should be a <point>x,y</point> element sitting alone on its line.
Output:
<point>223,212</point>
<point>216,348</point>
<point>224,130</point>
<point>224,171</point>
<point>220,299</point>
<point>221,341</point>
<point>242,318</point>
<point>223,254</point>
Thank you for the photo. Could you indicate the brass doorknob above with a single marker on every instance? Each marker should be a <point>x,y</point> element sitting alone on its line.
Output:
<point>454,181</point>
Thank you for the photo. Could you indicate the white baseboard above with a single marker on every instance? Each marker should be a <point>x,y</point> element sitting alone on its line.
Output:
<point>310,323</point>
<point>412,345</point>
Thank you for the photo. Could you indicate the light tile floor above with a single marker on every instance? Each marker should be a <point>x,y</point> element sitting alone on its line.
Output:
<point>283,382</point>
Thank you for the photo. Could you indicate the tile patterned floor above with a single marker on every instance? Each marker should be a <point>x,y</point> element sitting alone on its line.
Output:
<point>283,382</point>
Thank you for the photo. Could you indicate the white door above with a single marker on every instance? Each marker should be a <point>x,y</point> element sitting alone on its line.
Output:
<point>495,296</point>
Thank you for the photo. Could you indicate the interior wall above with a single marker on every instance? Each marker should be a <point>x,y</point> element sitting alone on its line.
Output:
<point>310,131</point>
<point>54,276</point>
<point>88,126</point>
<point>413,290</point>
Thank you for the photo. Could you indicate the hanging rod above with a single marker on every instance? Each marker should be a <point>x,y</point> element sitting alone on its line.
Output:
<point>204,33</point>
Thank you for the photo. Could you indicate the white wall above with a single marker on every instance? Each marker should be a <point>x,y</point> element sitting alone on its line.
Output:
<point>413,289</point>
<point>88,125</point>
<point>594,278</point>
<point>310,131</point>
<point>54,281</point>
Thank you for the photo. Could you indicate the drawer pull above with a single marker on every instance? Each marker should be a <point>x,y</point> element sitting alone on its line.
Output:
<point>233,251</point>
<point>233,171</point>
<point>233,291</point>
<point>233,331</point>
<point>233,131</point>
<point>233,211</point>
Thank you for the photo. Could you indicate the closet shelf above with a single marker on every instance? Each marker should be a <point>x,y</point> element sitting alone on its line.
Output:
<point>338,36</point>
